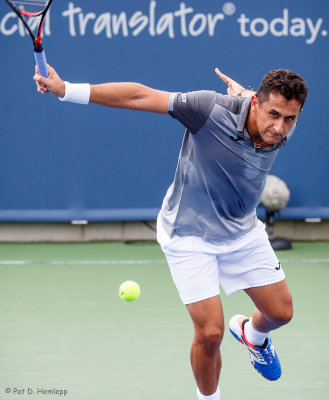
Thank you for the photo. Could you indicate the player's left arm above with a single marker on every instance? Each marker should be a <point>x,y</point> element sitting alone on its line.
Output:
<point>234,88</point>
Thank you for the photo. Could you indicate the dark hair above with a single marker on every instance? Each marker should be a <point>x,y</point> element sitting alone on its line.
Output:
<point>284,82</point>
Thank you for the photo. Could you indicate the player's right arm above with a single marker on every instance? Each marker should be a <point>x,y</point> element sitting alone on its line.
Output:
<point>128,95</point>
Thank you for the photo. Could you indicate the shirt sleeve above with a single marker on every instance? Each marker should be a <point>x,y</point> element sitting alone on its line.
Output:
<point>192,109</point>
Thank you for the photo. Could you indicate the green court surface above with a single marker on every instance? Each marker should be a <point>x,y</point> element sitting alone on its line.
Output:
<point>64,327</point>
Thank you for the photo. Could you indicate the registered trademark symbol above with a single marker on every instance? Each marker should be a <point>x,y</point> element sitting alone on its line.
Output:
<point>229,8</point>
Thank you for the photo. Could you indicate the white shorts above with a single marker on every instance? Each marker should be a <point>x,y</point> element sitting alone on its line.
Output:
<point>198,267</point>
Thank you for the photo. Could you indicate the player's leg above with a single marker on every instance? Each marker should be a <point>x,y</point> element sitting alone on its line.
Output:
<point>208,320</point>
<point>194,269</point>
<point>273,306</point>
<point>255,268</point>
<point>273,309</point>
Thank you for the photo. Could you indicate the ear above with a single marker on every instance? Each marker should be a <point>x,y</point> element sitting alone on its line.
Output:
<point>254,103</point>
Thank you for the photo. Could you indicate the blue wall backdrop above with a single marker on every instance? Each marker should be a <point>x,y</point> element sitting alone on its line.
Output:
<point>63,161</point>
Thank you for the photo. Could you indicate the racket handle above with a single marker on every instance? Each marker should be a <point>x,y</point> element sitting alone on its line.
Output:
<point>40,58</point>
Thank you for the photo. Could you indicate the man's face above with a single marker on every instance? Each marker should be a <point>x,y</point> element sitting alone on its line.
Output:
<point>275,117</point>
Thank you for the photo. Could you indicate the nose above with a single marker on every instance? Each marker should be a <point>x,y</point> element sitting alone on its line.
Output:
<point>279,126</point>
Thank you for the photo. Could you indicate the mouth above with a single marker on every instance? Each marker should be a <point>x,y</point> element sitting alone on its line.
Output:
<point>275,135</point>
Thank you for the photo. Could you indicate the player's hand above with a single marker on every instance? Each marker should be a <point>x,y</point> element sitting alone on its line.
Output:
<point>53,83</point>
<point>233,87</point>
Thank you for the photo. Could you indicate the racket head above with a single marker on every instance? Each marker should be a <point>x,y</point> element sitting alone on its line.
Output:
<point>30,8</point>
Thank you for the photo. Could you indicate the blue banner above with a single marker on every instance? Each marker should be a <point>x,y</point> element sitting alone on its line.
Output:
<point>61,161</point>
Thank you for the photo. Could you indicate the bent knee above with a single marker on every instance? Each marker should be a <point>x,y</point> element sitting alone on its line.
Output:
<point>282,316</point>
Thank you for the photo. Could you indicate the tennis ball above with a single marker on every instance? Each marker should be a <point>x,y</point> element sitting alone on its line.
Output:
<point>129,291</point>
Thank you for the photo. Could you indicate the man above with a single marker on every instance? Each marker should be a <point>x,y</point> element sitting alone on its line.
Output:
<point>207,226</point>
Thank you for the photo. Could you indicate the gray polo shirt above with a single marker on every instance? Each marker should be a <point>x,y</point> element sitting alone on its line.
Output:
<point>220,176</point>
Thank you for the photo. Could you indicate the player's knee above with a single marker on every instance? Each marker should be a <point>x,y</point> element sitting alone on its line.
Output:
<point>282,316</point>
<point>287,315</point>
<point>210,339</point>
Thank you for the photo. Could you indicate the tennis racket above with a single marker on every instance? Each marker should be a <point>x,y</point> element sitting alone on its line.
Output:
<point>34,8</point>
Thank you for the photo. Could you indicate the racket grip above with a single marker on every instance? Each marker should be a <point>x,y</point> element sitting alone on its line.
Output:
<point>40,58</point>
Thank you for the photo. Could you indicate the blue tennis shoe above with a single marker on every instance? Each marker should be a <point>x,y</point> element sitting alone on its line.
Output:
<point>264,358</point>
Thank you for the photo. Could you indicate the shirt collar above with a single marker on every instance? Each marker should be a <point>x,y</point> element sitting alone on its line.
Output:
<point>244,115</point>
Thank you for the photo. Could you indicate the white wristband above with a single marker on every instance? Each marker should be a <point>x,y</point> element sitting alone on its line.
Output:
<point>76,93</point>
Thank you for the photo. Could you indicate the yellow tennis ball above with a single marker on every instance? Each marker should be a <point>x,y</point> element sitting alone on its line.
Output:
<point>129,291</point>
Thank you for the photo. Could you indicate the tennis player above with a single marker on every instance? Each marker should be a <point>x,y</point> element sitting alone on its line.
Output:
<point>207,226</point>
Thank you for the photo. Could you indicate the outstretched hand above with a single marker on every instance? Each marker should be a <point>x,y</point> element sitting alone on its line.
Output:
<point>233,87</point>
<point>53,83</point>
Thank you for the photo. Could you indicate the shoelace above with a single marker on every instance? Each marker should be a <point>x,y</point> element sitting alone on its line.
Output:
<point>265,356</point>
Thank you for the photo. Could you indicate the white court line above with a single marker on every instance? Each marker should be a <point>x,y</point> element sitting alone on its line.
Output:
<point>81,262</point>
<point>133,262</point>
<point>305,260</point>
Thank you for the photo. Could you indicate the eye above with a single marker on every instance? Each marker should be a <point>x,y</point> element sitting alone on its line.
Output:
<point>274,114</point>
<point>291,119</point>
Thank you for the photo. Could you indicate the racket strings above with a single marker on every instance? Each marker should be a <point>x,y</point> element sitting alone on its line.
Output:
<point>30,7</point>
